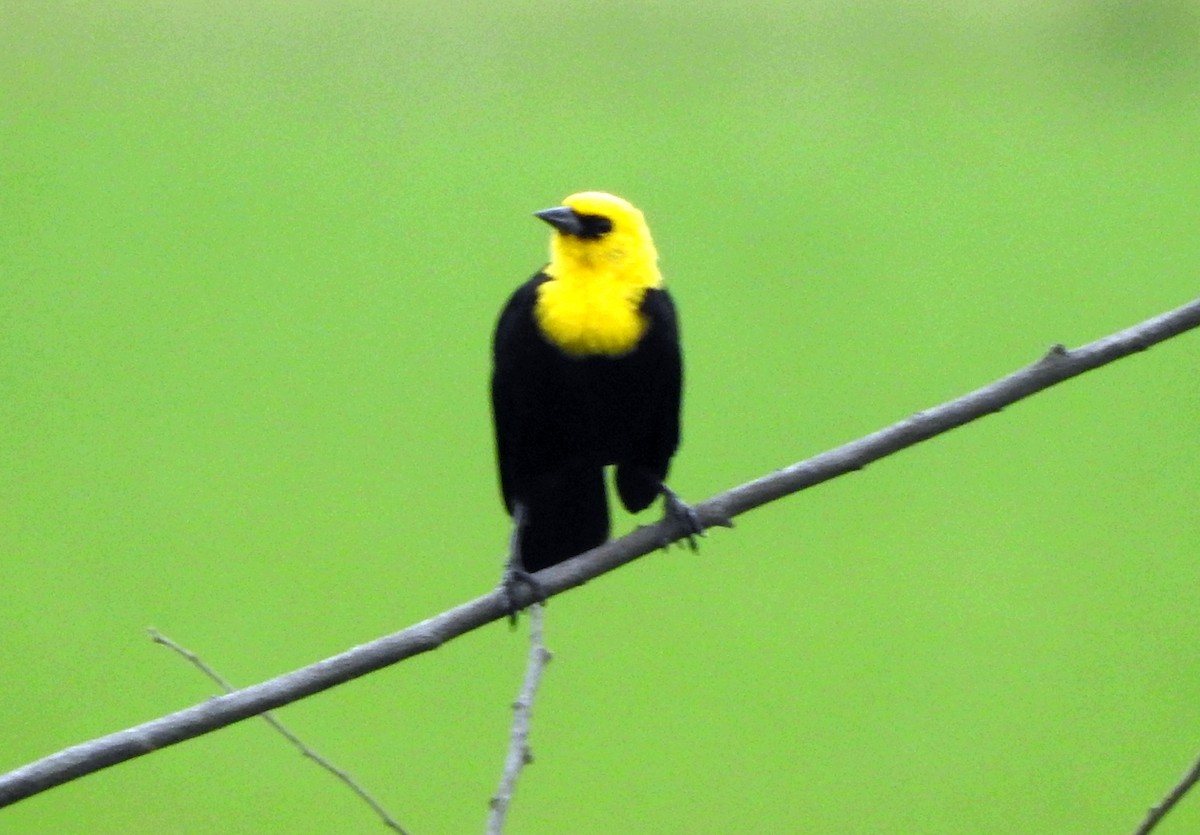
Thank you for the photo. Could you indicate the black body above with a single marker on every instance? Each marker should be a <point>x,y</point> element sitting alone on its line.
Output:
<point>560,420</point>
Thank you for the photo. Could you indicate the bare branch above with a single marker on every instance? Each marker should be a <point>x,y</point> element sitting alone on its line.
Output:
<point>1157,813</point>
<point>198,662</point>
<point>519,752</point>
<point>1058,365</point>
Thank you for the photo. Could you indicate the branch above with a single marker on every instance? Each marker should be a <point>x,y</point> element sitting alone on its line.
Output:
<point>1157,813</point>
<point>519,753</point>
<point>1058,365</point>
<point>270,719</point>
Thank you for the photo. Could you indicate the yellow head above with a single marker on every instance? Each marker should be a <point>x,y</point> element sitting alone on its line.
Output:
<point>602,261</point>
<point>598,231</point>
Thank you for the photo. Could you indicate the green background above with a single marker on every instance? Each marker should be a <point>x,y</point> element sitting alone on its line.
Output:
<point>250,259</point>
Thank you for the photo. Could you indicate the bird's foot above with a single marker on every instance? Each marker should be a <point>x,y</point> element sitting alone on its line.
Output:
<point>514,572</point>
<point>684,516</point>
<point>515,576</point>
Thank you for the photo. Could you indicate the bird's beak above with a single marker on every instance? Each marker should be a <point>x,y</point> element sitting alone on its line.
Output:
<point>562,218</point>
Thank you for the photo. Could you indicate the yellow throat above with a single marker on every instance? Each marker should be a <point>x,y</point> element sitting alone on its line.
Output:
<point>591,303</point>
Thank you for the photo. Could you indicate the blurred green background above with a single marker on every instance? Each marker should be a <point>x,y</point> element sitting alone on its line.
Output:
<point>250,259</point>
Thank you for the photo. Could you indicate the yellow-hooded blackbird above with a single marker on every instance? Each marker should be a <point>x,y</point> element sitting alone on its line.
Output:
<point>587,373</point>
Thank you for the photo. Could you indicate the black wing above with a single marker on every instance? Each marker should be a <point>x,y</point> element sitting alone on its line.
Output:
<point>563,493</point>
<point>660,363</point>
<point>514,394</point>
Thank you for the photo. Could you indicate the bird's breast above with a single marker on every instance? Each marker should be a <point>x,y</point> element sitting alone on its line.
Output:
<point>590,318</point>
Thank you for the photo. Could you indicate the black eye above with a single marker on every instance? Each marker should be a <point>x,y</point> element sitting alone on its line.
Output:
<point>594,226</point>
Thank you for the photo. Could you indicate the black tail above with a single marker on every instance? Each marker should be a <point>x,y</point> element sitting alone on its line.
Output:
<point>566,513</point>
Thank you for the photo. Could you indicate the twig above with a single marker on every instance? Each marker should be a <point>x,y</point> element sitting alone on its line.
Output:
<point>198,662</point>
<point>1058,365</point>
<point>519,752</point>
<point>1158,812</point>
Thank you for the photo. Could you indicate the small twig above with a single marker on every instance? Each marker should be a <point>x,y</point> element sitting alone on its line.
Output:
<point>519,753</point>
<point>199,664</point>
<point>1158,812</point>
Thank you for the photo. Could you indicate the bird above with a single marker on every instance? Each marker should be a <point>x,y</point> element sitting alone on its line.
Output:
<point>587,374</point>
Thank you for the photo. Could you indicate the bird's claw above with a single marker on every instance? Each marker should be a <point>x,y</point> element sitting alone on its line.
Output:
<point>684,516</point>
<point>514,577</point>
